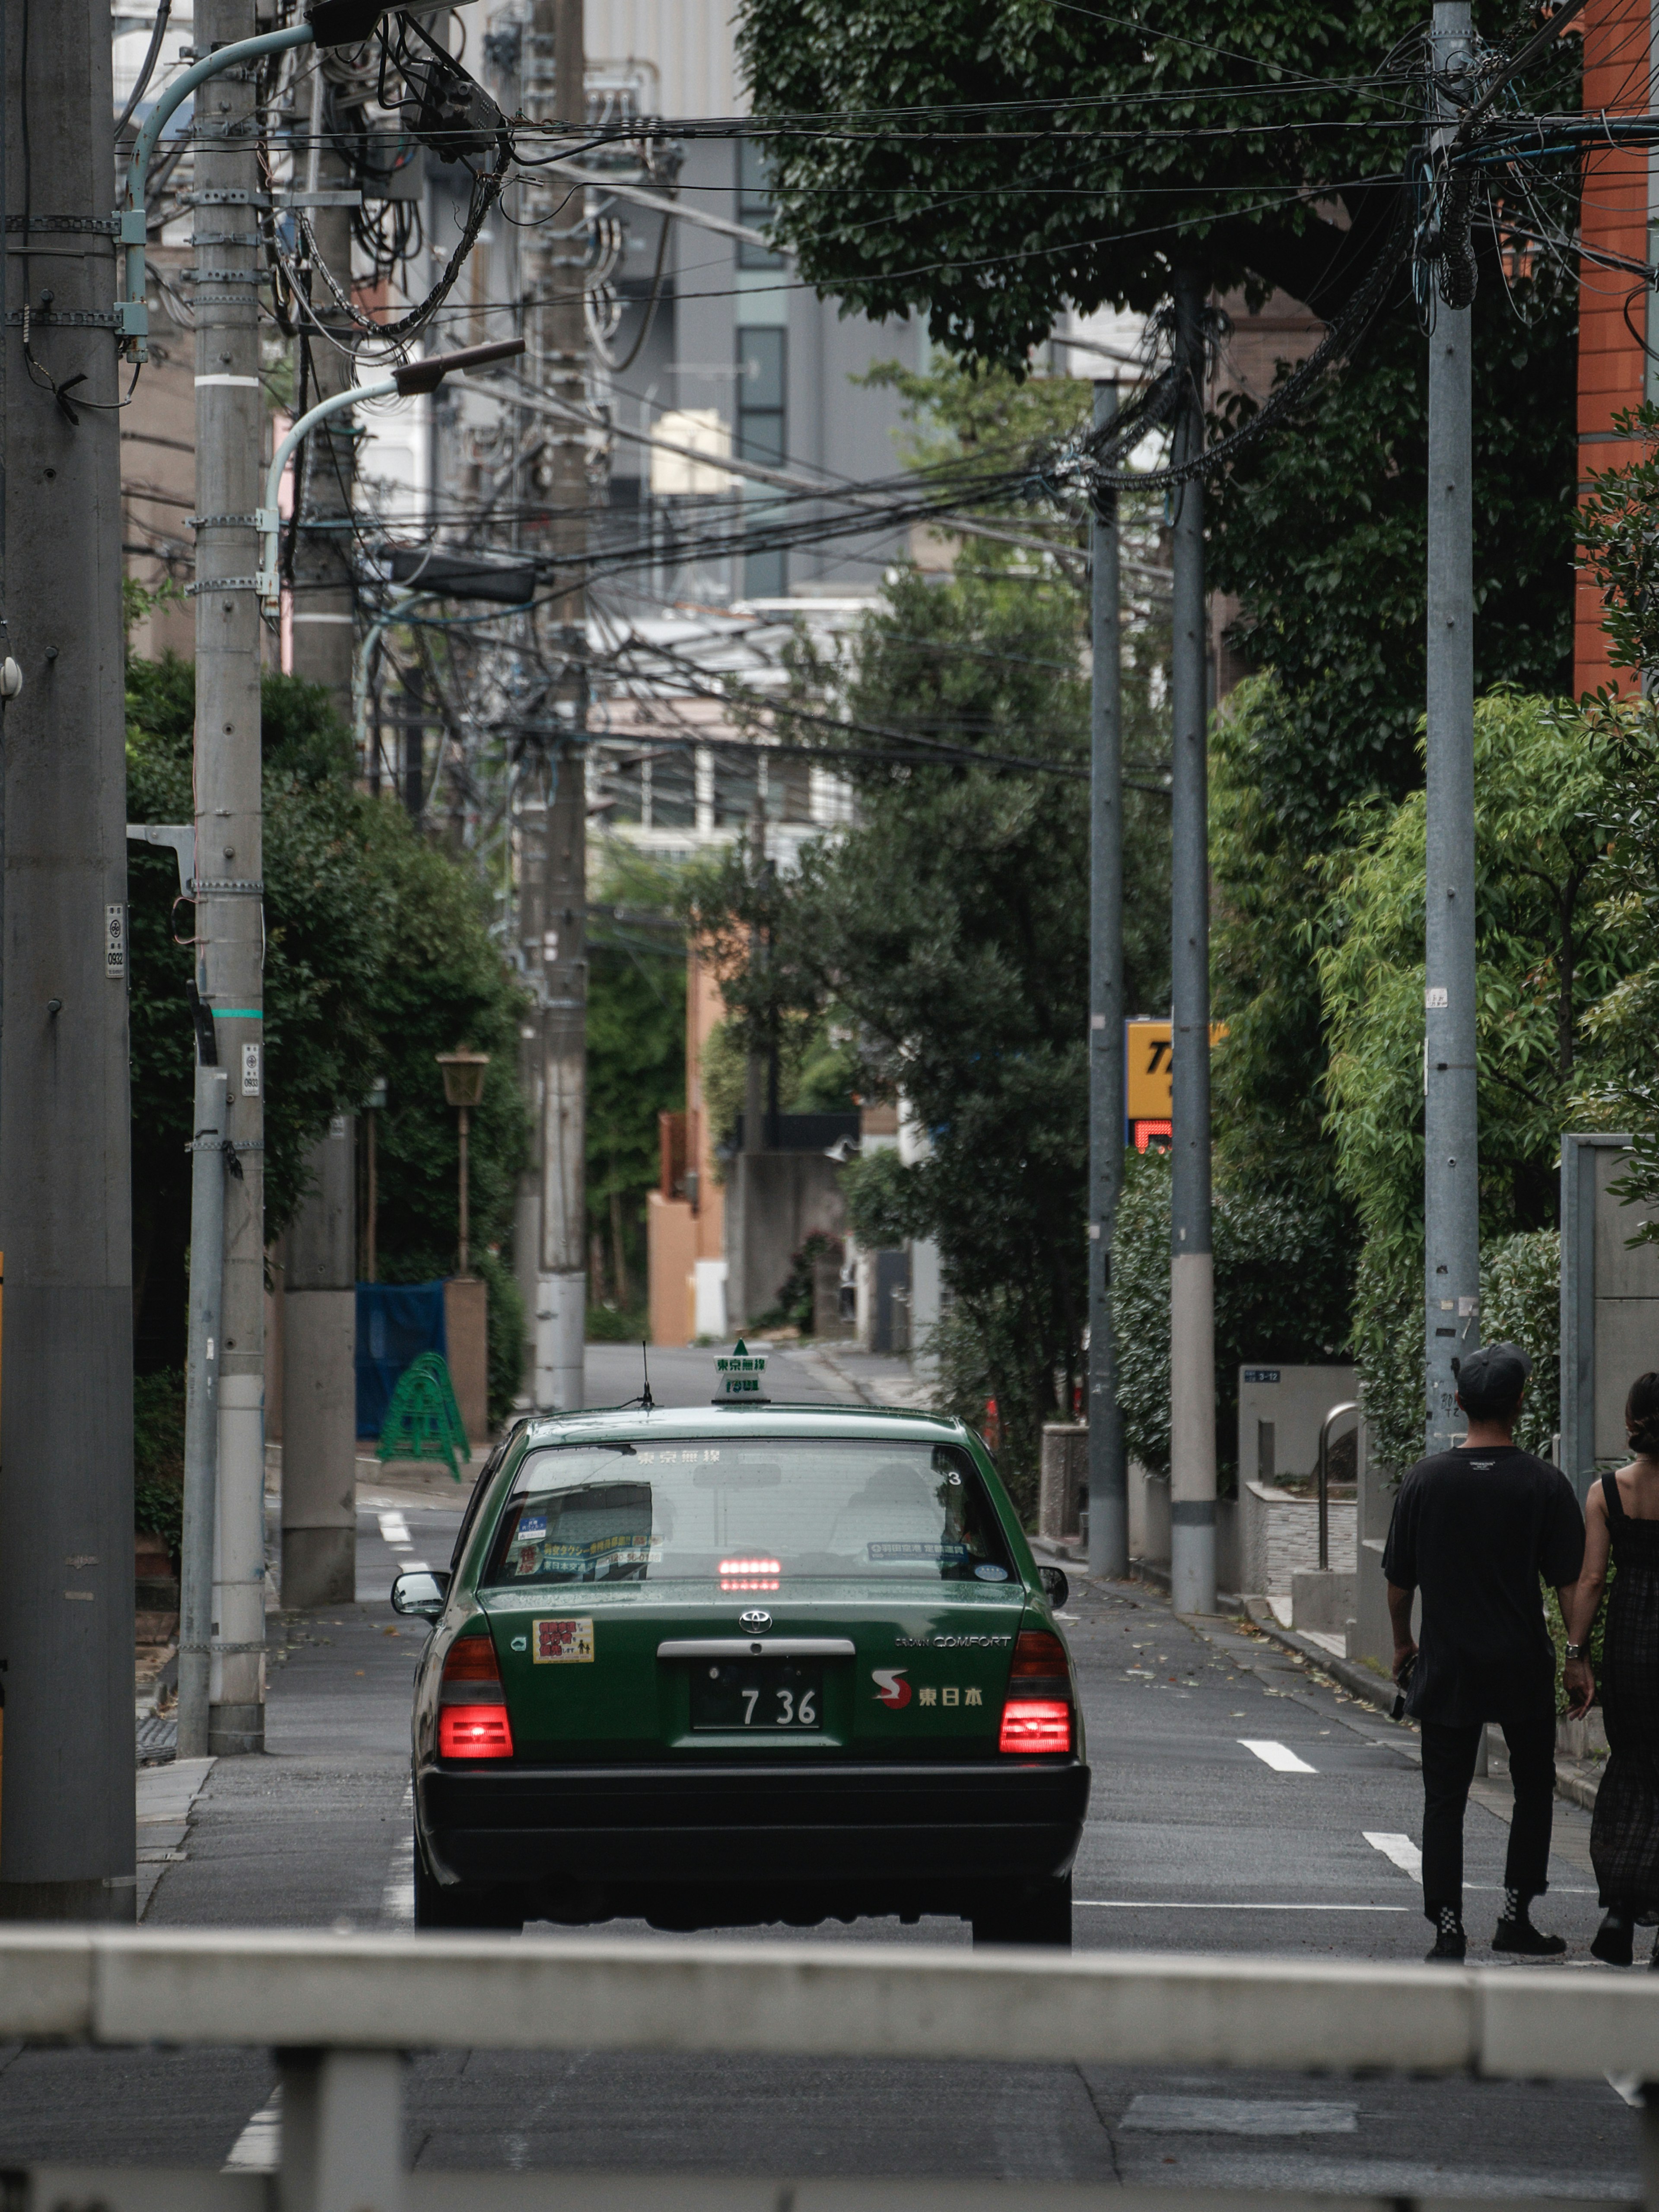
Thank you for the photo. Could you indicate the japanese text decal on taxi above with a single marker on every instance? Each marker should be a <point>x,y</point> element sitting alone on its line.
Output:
<point>561,1643</point>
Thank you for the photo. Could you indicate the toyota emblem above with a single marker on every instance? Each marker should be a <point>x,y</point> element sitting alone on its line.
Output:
<point>754,1620</point>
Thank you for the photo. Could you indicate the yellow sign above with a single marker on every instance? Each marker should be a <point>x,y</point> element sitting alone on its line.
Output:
<point>1146,1068</point>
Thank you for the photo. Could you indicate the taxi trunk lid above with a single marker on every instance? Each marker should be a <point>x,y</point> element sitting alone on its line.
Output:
<point>894,1671</point>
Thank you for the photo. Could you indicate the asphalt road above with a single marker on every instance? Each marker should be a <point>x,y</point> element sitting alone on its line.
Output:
<point>1195,1842</point>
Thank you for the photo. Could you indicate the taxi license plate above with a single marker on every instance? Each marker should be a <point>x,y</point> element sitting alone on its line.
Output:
<point>769,1694</point>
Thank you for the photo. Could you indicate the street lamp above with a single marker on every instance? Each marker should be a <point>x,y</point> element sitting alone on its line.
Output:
<point>463,1079</point>
<point>373,1107</point>
<point>409,377</point>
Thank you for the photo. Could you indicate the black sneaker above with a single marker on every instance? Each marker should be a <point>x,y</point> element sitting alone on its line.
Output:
<point>1519,1934</point>
<point>1449,1949</point>
<point>1614,1941</point>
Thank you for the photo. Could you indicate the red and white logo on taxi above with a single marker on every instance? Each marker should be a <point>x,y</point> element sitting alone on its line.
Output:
<point>892,1688</point>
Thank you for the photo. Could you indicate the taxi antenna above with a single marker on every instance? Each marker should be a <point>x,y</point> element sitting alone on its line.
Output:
<point>646,1398</point>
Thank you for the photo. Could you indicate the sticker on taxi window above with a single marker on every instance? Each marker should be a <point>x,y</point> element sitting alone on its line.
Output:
<point>924,1550</point>
<point>562,1643</point>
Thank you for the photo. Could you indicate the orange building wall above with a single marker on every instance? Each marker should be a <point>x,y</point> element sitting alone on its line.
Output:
<point>677,1232</point>
<point>1611,364</point>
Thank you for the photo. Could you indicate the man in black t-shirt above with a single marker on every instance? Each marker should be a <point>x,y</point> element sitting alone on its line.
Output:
<point>1474,1529</point>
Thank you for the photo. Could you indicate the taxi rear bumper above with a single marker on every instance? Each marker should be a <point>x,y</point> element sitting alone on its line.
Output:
<point>932,1828</point>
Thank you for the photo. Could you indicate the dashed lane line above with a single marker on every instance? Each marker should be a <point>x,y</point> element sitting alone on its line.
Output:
<point>1183,1904</point>
<point>1400,1850</point>
<point>1278,1756</point>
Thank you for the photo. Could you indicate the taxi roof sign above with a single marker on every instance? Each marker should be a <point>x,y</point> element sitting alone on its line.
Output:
<point>742,1376</point>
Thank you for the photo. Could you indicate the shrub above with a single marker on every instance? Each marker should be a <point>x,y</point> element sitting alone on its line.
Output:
<point>158,1457</point>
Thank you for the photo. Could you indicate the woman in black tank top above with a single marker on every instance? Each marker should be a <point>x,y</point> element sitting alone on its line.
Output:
<point>1625,1832</point>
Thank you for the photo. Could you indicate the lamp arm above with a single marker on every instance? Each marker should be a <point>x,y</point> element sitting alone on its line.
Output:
<point>270,520</point>
<point>134,230</point>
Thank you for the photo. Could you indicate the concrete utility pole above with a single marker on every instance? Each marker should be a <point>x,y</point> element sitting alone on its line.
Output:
<point>1109,1495</point>
<point>66,1838</point>
<point>229,851</point>
<point>1191,1267</point>
<point>319,1305</point>
<point>1451,1163</point>
<point>559,964</point>
<point>207,1251</point>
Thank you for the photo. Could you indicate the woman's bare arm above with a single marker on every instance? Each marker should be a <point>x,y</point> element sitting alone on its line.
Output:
<point>1586,1595</point>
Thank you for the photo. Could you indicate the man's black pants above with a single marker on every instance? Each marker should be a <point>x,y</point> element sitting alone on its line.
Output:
<point>1448,1756</point>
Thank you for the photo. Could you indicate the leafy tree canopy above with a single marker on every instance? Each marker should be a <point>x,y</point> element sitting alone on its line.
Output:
<point>991,166</point>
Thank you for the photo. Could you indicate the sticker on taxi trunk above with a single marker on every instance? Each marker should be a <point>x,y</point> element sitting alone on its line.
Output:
<point>562,1643</point>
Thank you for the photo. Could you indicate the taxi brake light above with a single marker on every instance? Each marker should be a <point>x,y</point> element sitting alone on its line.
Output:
<point>1036,1652</point>
<point>474,1732</point>
<point>1036,1724</point>
<point>472,1659</point>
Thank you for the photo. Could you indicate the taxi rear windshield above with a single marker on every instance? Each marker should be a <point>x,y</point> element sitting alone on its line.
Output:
<point>757,1513</point>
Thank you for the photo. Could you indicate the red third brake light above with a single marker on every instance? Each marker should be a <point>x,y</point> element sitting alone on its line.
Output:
<point>472,1722</point>
<point>1036,1724</point>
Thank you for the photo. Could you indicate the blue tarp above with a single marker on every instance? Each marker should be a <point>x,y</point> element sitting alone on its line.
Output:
<point>396,1323</point>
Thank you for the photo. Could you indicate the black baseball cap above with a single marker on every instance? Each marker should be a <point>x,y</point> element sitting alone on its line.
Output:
<point>1490,1381</point>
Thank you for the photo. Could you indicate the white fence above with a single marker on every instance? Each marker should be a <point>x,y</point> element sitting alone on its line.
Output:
<point>341,2011</point>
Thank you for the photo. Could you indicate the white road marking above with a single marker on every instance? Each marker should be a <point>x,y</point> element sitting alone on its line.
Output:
<point>1181,1905</point>
<point>394,1528</point>
<point>397,1897</point>
<point>258,2149</point>
<point>1401,1849</point>
<point>1629,2086</point>
<point>1278,1756</point>
<point>413,1567</point>
<point>1238,2116</point>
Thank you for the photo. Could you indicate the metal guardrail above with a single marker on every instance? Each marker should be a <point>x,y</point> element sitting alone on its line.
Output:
<point>341,2012</point>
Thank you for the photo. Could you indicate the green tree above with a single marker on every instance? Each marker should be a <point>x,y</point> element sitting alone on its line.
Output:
<point>635,1061</point>
<point>378,957</point>
<point>1549,952</point>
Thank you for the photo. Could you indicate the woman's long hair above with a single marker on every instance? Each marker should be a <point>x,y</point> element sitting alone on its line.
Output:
<point>1641,1415</point>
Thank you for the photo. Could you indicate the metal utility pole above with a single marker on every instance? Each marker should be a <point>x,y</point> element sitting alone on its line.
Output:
<point>1451,1165</point>
<point>319,1303</point>
<point>1109,1495</point>
<point>559,963</point>
<point>229,855</point>
<point>66,1841</point>
<point>207,1251</point>
<point>1191,1267</point>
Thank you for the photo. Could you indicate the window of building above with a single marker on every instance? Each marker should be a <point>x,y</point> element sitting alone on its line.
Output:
<point>762,370</point>
<point>753,205</point>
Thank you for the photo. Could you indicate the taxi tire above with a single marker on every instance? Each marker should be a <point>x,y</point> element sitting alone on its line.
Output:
<point>1040,1916</point>
<point>463,1905</point>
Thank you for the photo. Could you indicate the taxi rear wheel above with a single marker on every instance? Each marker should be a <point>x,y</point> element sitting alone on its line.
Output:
<point>463,1905</point>
<point>1040,1915</point>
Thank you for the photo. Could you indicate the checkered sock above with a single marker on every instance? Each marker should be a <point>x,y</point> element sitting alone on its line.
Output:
<point>1515,1902</point>
<point>1449,1921</point>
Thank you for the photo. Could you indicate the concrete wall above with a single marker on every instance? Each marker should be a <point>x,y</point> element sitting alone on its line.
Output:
<point>1279,1411</point>
<point>1279,1533</point>
<point>774,1201</point>
<point>1149,1528</point>
<point>1609,1304</point>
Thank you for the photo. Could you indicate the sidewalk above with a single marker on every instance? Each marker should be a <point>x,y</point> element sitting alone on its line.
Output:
<point>879,1378</point>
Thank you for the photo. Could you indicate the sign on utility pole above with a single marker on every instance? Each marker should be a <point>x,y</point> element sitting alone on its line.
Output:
<point>1451,1166</point>
<point>229,833</point>
<point>1192,1268</point>
<point>1108,1498</point>
<point>556,963</point>
<point>66,1822</point>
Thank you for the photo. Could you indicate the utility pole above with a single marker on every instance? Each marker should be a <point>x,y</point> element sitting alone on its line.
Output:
<point>1191,1267</point>
<point>207,1251</point>
<point>319,1302</point>
<point>66,1840</point>
<point>1109,1495</point>
<point>559,964</point>
<point>229,833</point>
<point>1451,1164</point>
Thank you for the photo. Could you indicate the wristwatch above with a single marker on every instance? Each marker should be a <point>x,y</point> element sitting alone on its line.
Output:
<point>1578,1651</point>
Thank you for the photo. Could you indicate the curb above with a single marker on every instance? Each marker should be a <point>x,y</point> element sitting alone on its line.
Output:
<point>1358,1680</point>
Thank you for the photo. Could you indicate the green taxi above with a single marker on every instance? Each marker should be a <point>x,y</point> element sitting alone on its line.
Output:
<point>736,1665</point>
